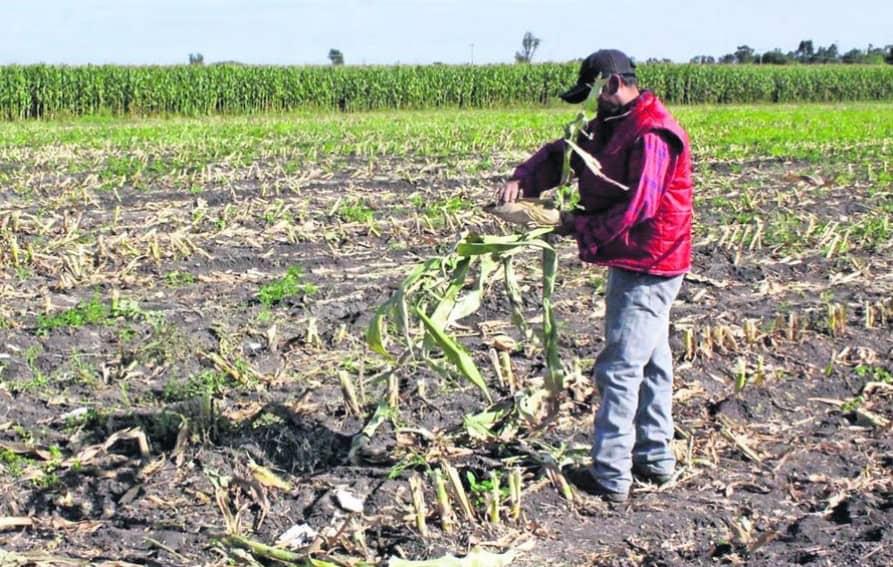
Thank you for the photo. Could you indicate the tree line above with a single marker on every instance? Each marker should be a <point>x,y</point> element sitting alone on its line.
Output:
<point>806,53</point>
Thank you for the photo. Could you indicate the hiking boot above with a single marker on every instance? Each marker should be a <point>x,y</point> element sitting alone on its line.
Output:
<point>582,478</point>
<point>646,475</point>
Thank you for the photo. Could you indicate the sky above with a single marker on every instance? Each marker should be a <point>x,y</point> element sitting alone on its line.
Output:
<point>286,32</point>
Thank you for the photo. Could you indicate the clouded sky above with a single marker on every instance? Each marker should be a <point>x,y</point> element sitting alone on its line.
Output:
<point>421,31</point>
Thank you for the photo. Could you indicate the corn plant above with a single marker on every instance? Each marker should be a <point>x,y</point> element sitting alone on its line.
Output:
<point>433,291</point>
<point>46,91</point>
<point>435,294</point>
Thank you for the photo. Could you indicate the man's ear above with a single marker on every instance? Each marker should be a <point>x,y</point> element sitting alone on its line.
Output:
<point>613,85</point>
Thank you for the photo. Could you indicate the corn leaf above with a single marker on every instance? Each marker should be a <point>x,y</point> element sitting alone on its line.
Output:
<point>594,166</point>
<point>471,301</point>
<point>455,353</point>
<point>441,314</point>
<point>396,306</point>
<point>480,425</point>
<point>555,374</point>
<point>514,294</point>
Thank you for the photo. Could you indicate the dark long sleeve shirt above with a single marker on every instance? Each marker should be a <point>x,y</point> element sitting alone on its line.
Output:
<point>648,167</point>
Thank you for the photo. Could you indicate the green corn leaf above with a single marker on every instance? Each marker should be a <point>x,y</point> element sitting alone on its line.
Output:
<point>441,313</point>
<point>513,291</point>
<point>480,425</point>
<point>478,248</point>
<point>374,332</point>
<point>396,305</point>
<point>555,374</point>
<point>471,301</point>
<point>455,354</point>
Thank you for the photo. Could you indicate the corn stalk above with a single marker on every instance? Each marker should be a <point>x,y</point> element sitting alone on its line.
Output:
<point>435,292</point>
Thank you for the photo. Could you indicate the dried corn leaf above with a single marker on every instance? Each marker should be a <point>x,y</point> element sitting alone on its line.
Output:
<point>528,213</point>
<point>268,478</point>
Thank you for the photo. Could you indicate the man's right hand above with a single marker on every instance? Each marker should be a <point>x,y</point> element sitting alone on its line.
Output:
<point>509,193</point>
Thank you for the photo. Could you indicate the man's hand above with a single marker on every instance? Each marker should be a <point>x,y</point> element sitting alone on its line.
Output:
<point>567,226</point>
<point>509,193</point>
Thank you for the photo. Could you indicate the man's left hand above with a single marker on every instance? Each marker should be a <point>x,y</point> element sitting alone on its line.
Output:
<point>567,226</point>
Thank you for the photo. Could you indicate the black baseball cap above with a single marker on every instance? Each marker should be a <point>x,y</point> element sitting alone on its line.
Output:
<point>604,63</point>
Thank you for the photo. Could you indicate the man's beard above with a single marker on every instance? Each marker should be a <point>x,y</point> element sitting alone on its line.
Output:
<point>607,108</point>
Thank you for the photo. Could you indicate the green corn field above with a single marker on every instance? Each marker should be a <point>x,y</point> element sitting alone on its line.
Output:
<point>45,91</point>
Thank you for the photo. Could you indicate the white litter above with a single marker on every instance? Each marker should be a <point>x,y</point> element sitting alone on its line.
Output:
<point>348,501</point>
<point>297,536</point>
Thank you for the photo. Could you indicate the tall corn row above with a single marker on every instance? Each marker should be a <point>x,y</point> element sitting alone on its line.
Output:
<point>45,91</point>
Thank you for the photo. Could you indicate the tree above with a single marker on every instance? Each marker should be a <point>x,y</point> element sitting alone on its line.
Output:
<point>744,54</point>
<point>727,58</point>
<point>874,55</point>
<point>528,47</point>
<point>889,57</point>
<point>853,56</point>
<point>336,57</point>
<point>827,54</point>
<point>805,51</point>
<point>774,57</point>
<point>703,60</point>
<point>196,59</point>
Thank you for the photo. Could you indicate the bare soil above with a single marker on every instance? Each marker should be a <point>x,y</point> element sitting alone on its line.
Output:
<point>786,470</point>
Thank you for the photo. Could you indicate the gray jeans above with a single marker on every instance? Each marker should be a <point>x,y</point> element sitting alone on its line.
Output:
<point>634,374</point>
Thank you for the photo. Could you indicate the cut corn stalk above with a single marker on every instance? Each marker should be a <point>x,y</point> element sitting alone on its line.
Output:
<point>494,498</point>
<point>458,490</point>
<point>515,492</point>
<point>418,504</point>
<point>349,393</point>
<point>447,517</point>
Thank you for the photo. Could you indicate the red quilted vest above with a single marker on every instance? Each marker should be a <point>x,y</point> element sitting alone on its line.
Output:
<point>661,245</point>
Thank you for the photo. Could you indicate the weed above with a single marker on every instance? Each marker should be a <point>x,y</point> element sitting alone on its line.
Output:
<point>178,279</point>
<point>852,405</point>
<point>207,383</point>
<point>410,462</point>
<point>91,312</point>
<point>290,285</point>
<point>87,419</point>
<point>875,373</point>
<point>481,488</point>
<point>49,480</point>
<point>13,463</point>
<point>264,315</point>
<point>356,211</point>
<point>84,371</point>
<point>38,379</point>
<point>23,434</point>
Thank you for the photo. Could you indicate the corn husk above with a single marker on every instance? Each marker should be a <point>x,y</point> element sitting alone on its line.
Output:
<point>528,213</point>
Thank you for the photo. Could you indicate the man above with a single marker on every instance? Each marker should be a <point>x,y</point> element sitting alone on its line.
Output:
<point>643,235</point>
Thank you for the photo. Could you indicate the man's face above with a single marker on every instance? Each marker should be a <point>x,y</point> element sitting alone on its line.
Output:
<point>608,99</point>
